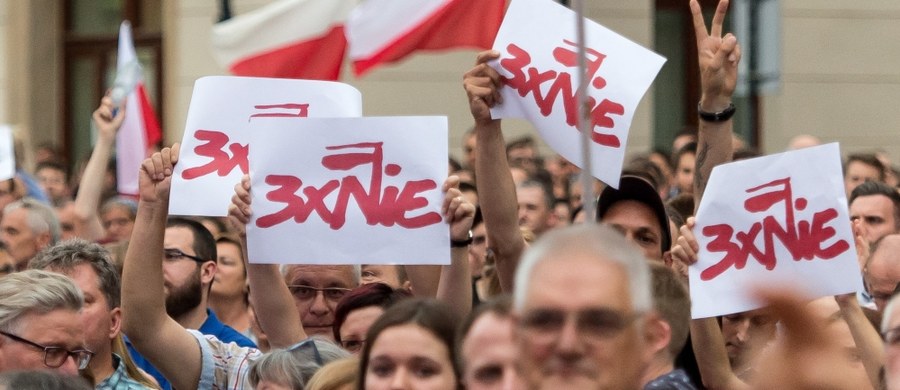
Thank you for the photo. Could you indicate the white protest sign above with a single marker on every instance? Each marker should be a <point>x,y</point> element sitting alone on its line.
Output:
<point>539,64</point>
<point>7,155</point>
<point>217,132</point>
<point>775,220</point>
<point>348,191</point>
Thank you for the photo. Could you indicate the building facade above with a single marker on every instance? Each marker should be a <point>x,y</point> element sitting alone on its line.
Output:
<point>839,70</point>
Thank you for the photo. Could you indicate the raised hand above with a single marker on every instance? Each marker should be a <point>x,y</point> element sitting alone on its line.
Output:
<point>482,85</point>
<point>718,57</point>
<point>239,210</point>
<point>686,249</point>
<point>155,177</point>
<point>106,123</point>
<point>457,211</point>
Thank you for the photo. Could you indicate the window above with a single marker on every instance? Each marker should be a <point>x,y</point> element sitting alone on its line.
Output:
<point>677,88</point>
<point>91,42</point>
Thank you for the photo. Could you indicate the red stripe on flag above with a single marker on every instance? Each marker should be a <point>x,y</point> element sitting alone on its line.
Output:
<point>315,59</point>
<point>152,131</point>
<point>461,23</point>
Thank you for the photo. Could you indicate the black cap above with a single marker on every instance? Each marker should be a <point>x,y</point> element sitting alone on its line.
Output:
<point>637,189</point>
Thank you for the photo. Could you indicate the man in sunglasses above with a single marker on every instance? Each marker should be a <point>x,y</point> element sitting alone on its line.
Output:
<point>40,323</point>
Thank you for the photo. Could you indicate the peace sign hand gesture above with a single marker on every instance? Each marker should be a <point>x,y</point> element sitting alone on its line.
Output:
<point>718,57</point>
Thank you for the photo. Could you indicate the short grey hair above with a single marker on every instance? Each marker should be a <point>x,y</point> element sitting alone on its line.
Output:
<point>41,217</point>
<point>35,291</point>
<point>294,367</point>
<point>357,271</point>
<point>600,241</point>
<point>67,255</point>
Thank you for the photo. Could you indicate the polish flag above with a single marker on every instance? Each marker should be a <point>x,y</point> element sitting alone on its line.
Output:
<point>385,31</point>
<point>140,129</point>
<point>301,39</point>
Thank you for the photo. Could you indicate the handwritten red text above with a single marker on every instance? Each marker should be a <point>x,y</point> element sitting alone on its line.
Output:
<point>222,163</point>
<point>802,239</point>
<point>386,206</point>
<point>528,79</point>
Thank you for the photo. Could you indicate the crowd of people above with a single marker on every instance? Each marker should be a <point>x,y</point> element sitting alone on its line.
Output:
<point>105,292</point>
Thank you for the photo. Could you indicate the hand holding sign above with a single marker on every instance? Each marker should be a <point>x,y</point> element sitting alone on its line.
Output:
<point>718,57</point>
<point>769,220</point>
<point>367,186</point>
<point>155,177</point>
<point>239,211</point>
<point>538,64</point>
<point>482,85</point>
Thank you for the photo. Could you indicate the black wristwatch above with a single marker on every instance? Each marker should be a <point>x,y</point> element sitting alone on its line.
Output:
<point>462,243</point>
<point>720,116</point>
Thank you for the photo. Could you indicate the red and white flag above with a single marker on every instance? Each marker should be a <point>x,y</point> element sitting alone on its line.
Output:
<point>140,129</point>
<point>301,39</point>
<point>385,31</point>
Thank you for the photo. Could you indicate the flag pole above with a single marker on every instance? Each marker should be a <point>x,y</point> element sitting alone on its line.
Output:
<point>584,121</point>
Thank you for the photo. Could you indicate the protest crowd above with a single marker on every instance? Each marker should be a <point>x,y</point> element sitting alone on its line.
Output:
<point>110,292</point>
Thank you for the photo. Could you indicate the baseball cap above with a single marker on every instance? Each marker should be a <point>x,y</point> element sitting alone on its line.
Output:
<point>638,189</point>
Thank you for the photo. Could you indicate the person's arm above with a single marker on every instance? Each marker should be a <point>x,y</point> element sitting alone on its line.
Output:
<point>90,189</point>
<point>706,336</point>
<point>167,345</point>
<point>496,190</point>
<point>269,295</point>
<point>455,286</point>
<point>718,58</point>
<point>865,336</point>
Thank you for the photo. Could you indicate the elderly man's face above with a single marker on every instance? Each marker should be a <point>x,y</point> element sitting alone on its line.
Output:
<point>58,328</point>
<point>578,329</point>
<point>317,289</point>
<point>21,242</point>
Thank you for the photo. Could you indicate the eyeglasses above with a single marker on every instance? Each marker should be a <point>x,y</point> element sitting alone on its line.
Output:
<point>594,324</point>
<point>56,356</point>
<point>303,292</point>
<point>308,345</point>
<point>353,345</point>
<point>175,254</point>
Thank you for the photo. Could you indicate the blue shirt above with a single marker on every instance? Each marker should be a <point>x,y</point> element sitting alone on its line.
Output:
<point>212,326</point>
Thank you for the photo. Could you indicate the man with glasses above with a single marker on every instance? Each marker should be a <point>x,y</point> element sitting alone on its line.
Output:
<point>40,323</point>
<point>583,311</point>
<point>317,289</point>
<point>188,268</point>
<point>90,267</point>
